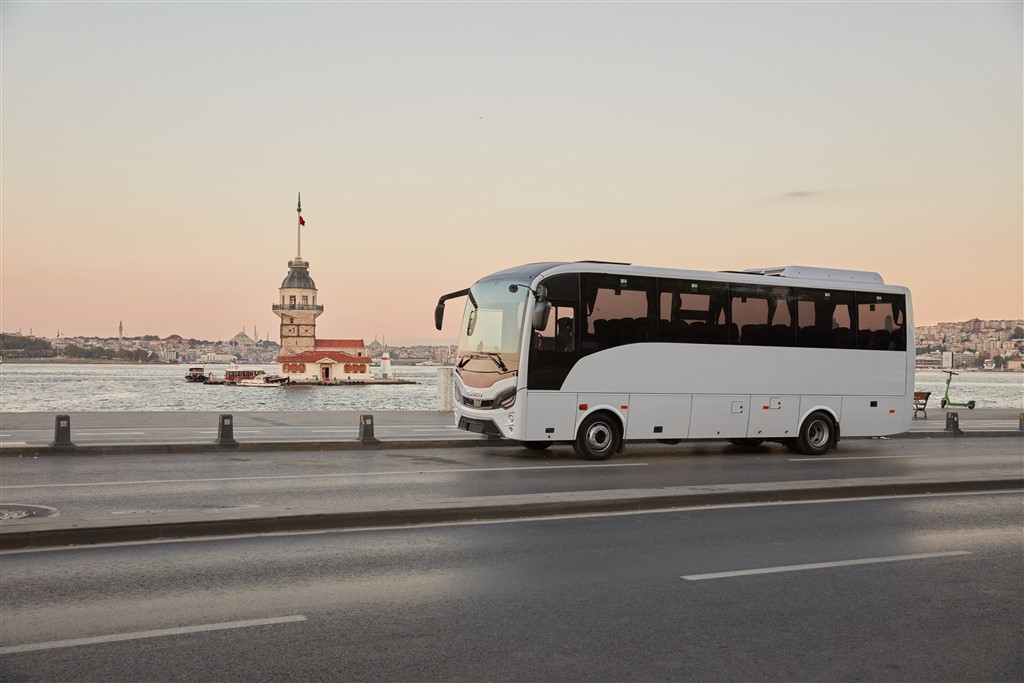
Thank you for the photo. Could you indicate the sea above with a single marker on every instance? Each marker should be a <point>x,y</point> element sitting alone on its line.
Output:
<point>58,388</point>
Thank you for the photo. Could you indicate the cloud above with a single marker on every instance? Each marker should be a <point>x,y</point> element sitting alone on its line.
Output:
<point>800,194</point>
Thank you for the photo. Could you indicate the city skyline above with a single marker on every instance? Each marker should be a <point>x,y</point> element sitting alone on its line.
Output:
<point>152,153</point>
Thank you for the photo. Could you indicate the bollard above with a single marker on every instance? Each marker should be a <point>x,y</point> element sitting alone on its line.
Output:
<point>226,432</point>
<point>1021,424</point>
<point>953,423</point>
<point>62,435</point>
<point>366,436</point>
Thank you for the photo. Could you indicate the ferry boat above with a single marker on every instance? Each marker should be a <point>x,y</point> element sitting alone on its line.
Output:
<point>196,374</point>
<point>252,377</point>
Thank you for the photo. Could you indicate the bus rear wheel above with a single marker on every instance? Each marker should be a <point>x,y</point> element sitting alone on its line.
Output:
<point>536,445</point>
<point>817,434</point>
<point>599,436</point>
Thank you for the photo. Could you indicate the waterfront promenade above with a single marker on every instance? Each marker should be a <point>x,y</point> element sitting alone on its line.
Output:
<point>187,431</point>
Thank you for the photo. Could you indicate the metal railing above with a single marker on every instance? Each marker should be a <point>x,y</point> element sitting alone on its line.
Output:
<point>298,307</point>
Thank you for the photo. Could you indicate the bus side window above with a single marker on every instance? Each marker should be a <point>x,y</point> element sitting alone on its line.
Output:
<point>559,335</point>
<point>880,319</point>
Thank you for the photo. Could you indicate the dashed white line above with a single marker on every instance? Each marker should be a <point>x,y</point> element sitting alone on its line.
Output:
<point>138,635</point>
<point>859,457</point>
<point>819,565</point>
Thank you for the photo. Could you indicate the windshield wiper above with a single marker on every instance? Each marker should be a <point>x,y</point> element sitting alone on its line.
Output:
<point>493,357</point>
<point>497,360</point>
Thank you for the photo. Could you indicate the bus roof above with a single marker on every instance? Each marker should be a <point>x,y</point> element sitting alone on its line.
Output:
<point>809,275</point>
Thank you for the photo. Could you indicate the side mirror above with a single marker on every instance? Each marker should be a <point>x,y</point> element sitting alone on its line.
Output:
<point>439,315</point>
<point>541,313</point>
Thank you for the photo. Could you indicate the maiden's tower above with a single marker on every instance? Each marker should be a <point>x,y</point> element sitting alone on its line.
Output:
<point>304,358</point>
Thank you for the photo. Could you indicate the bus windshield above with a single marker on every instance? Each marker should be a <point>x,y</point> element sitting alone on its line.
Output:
<point>492,328</point>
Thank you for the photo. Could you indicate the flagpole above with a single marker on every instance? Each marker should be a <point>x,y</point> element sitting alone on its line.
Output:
<point>298,220</point>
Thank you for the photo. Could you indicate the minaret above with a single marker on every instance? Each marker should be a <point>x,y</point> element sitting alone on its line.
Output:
<point>298,309</point>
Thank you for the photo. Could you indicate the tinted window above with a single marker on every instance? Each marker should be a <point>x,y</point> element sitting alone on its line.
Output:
<point>617,310</point>
<point>692,311</point>
<point>880,321</point>
<point>761,316</point>
<point>823,319</point>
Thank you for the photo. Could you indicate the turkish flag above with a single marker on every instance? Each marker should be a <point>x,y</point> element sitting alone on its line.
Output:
<point>302,221</point>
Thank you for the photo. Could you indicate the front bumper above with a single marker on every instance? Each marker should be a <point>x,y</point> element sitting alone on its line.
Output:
<point>479,426</point>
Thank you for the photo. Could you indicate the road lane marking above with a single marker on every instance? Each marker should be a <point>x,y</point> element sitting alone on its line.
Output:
<point>93,432</point>
<point>138,635</point>
<point>859,457</point>
<point>322,476</point>
<point>820,565</point>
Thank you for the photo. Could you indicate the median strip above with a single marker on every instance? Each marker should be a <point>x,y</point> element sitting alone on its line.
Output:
<point>60,531</point>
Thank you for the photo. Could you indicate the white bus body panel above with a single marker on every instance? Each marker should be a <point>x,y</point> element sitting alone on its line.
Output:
<point>550,410</point>
<point>861,418</point>
<point>773,416</point>
<point>719,417</point>
<point>659,416</point>
<point>657,368</point>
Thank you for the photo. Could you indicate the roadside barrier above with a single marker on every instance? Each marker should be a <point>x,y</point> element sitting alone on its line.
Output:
<point>62,435</point>
<point>366,436</point>
<point>953,423</point>
<point>226,432</point>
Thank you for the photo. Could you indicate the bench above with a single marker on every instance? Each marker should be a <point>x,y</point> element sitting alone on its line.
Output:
<point>921,402</point>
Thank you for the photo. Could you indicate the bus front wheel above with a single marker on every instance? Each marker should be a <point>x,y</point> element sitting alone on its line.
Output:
<point>817,434</point>
<point>598,437</point>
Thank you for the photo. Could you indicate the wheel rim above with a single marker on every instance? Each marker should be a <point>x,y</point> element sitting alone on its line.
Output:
<point>599,437</point>
<point>818,434</point>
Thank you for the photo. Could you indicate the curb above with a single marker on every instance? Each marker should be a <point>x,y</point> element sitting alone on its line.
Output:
<point>47,532</point>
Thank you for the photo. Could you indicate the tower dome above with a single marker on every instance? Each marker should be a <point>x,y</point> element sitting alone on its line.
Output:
<point>298,276</point>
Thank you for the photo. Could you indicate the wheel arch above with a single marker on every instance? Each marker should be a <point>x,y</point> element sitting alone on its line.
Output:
<point>617,413</point>
<point>820,408</point>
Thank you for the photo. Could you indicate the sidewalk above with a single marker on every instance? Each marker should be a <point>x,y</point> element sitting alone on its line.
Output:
<point>195,432</point>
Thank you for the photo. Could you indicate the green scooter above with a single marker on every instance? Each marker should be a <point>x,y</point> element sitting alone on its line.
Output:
<point>946,400</point>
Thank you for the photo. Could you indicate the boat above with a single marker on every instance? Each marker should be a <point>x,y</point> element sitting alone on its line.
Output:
<point>252,377</point>
<point>263,380</point>
<point>196,374</point>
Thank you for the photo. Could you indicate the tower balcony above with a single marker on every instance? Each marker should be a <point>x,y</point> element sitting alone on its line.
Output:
<point>318,308</point>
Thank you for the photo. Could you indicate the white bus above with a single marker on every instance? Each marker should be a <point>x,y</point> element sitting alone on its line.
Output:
<point>596,354</point>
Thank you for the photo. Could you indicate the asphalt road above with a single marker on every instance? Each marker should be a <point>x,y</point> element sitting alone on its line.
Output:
<point>926,588</point>
<point>83,485</point>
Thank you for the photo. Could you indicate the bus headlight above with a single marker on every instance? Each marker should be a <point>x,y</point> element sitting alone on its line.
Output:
<point>506,399</point>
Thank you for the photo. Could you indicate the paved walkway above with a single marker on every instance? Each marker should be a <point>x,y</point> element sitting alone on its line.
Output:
<point>187,431</point>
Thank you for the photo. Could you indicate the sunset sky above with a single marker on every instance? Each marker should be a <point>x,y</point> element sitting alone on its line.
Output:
<point>152,152</point>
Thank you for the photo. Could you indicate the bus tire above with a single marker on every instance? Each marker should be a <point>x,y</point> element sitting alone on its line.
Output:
<point>746,443</point>
<point>817,434</point>
<point>536,445</point>
<point>599,436</point>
